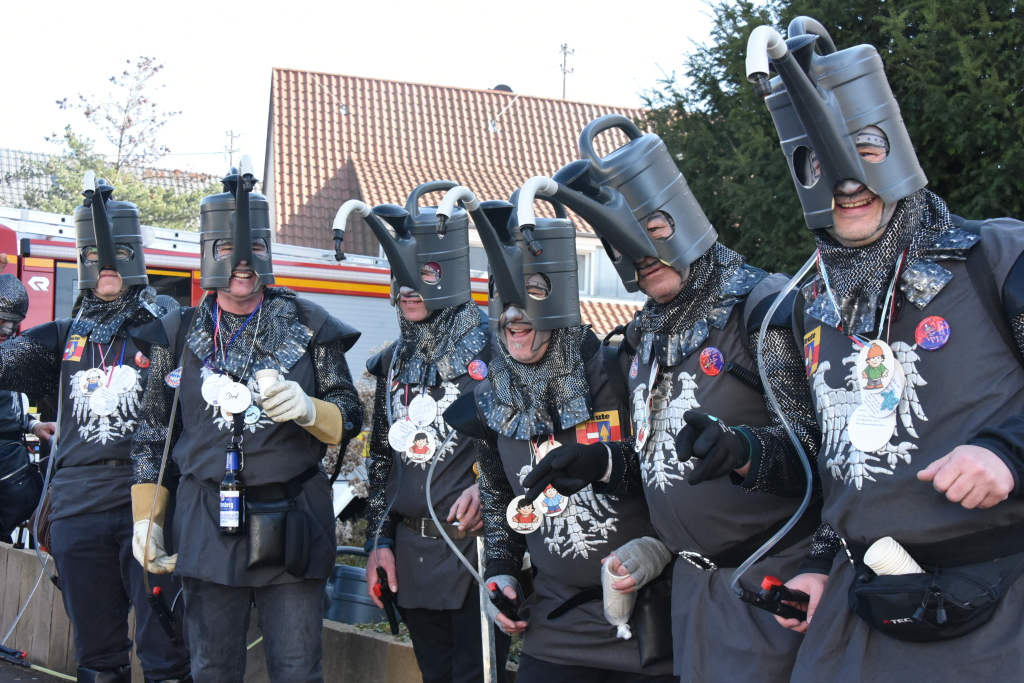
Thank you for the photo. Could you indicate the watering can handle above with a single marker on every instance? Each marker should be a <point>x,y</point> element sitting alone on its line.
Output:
<point>802,26</point>
<point>412,205</point>
<point>557,205</point>
<point>598,126</point>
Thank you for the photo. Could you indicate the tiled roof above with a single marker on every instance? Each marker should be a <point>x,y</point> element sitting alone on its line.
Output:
<point>604,315</point>
<point>335,138</point>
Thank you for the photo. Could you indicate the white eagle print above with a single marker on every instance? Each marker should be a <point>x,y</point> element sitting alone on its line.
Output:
<point>439,426</point>
<point>103,428</point>
<point>844,461</point>
<point>582,527</point>
<point>658,463</point>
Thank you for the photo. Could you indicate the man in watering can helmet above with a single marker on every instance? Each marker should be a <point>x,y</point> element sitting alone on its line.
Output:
<point>915,459</point>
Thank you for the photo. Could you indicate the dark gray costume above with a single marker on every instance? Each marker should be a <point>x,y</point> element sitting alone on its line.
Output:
<point>91,530</point>
<point>713,321</point>
<point>281,461</point>
<point>434,354</point>
<point>953,395</point>
<point>525,410</point>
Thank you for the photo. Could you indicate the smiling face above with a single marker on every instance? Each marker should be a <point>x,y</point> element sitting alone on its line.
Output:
<point>525,508</point>
<point>243,292</point>
<point>859,215</point>
<point>410,303</point>
<point>659,280</point>
<point>524,343</point>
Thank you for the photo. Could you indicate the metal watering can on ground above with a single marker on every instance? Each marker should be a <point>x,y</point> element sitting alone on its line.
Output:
<point>821,101</point>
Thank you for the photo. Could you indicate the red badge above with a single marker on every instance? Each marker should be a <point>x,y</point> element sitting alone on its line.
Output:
<point>932,333</point>
<point>711,361</point>
<point>141,360</point>
<point>478,370</point>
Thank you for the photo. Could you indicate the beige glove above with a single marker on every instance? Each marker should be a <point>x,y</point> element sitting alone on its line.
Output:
<point>287,401</point>
<point>156,560</point>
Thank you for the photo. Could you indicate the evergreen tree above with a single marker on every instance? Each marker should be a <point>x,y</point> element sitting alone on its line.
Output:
<point>955,68</point>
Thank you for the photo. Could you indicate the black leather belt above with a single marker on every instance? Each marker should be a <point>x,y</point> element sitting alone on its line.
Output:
<point>288,489</point>
<point>981,546</point>
<point>110,462</point>
<point>426,528</point>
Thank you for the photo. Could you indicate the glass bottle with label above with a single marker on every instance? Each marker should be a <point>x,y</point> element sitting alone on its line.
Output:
<point>231,520</point>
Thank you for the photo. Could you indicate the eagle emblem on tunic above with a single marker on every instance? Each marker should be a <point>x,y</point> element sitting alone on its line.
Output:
<point>658,463</point>
<point>835,405</point>
<point>103,428</point>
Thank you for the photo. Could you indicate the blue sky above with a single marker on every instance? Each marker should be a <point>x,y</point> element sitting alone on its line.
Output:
<point>219,60</point>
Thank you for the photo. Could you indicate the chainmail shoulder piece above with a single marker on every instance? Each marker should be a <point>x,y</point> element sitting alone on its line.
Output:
<point>280,342</point>
<point>527,400</point>
<point>718,280</point>
<point>825,543</point>
<point>779,470</point>
<point>102,320</point>
<point>441,347</point>
<point>859,276</point>
<point>378,468</point>
<point>504,548</point>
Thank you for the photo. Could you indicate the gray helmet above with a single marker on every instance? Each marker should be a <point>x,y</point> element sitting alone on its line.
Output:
<point>536,271</point>
<point>246,230</point>
<point>826,105</point>
<point>109,235</point>
<point>13,299</point>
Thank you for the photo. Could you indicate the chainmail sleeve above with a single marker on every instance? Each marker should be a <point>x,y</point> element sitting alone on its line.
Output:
<point>27,366</point>
<point>505,548</point>
<point>1017,323</point>
<point>378,471</point>
<point>154,416</point>
<point>777,469</point>
<point>825,545</point>
<point>334,383</point>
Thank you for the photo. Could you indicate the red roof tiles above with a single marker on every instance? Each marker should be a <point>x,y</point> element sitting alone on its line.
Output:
<point>604,315</point>
<point>335,138</point>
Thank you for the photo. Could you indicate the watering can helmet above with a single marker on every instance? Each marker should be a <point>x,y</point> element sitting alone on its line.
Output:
<point>234,226</point>
<point>433,261</point>
<point>108,235</point>
<point>836,117</point>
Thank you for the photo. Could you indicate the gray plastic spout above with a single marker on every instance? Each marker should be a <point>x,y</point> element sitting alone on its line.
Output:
<point>828,137</point>
<point>401,252</point>
<point>503,254</point>
<point>242,237</point>
<point>100,220</point>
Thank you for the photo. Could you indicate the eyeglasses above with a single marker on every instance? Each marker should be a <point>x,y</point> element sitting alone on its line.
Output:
<point>222,249</point>
<point>91,255</point>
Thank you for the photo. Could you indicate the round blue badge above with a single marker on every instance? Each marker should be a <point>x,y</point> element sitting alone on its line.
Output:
<point>711,361</point>
<point>173,378</point>
<point>932,333</point>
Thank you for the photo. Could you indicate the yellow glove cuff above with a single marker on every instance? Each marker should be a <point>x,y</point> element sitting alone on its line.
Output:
<point>142,503</point>
<point>329,425</point>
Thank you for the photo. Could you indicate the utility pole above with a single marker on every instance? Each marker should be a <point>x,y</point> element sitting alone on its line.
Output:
<point>565,72</point>
<point>230,149</point>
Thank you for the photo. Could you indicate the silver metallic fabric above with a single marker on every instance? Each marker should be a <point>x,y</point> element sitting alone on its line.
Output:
<point>504,547</point>
<point>378,467</point>
<point>102,320</point>
<point>716,283</point>
<point>553,394</point>
<point>441,347</point>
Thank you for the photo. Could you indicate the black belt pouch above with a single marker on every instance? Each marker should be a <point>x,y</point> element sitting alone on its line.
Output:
<point>652,619</point>
<point>939,604</point>
<point>279,535</point>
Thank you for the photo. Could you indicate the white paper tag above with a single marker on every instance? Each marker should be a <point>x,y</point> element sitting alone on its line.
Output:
<point>124,379</point>
<point>876,366</point>
<point>887,400</point>
<point>869,433</point>
<point>211,388</point>
<point>420,445</point>
<point>103,401</point>
<point>399,434</point>
<point>422,410</point>
<point>234,397</point>
<point>522,515</point>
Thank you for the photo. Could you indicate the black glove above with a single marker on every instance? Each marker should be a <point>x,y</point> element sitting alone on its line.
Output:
<point>719,448</point>
<point>568,468</point>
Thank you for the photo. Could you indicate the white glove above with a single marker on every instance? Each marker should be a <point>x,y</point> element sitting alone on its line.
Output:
<point>159,561</point>
<point>287,401</point>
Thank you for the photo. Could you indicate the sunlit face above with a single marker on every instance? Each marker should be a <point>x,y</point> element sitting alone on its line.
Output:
<point>410,303</point>
<point>109,285</point>
<point>244,288</point>
<point>859,215</point>
<point>524,343</point>
<point>659,226</point>
<point>223,249</point>
<point>659,280</point>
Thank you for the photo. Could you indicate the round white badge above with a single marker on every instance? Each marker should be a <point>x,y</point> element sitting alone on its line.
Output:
<point>234,397</point>
<point>642,426</point>
<point>124,379</point>
<point>552,503</point>
<point>422,410</point>
<point>212,386</point>
<point>399,434</point>
<point>252,415</point>
<point>92,380</point>
<point>876,366</point>
<point>886,401</point>
<point>103,401</point>
<point>522,515</point>
<point>869,433</point>
<point>420,445</point>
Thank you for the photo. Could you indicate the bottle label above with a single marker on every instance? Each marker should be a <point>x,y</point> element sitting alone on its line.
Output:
<point>232,461</point>
<point>230,505</point>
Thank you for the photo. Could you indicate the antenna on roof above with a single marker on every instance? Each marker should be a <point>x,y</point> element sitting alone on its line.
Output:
<point>565,72</point>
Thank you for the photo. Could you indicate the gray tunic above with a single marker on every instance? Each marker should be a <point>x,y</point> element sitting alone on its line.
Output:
<point>971,382</point>
<point>566,551</point>
<point>430,576</point>
<point>715,515</point>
